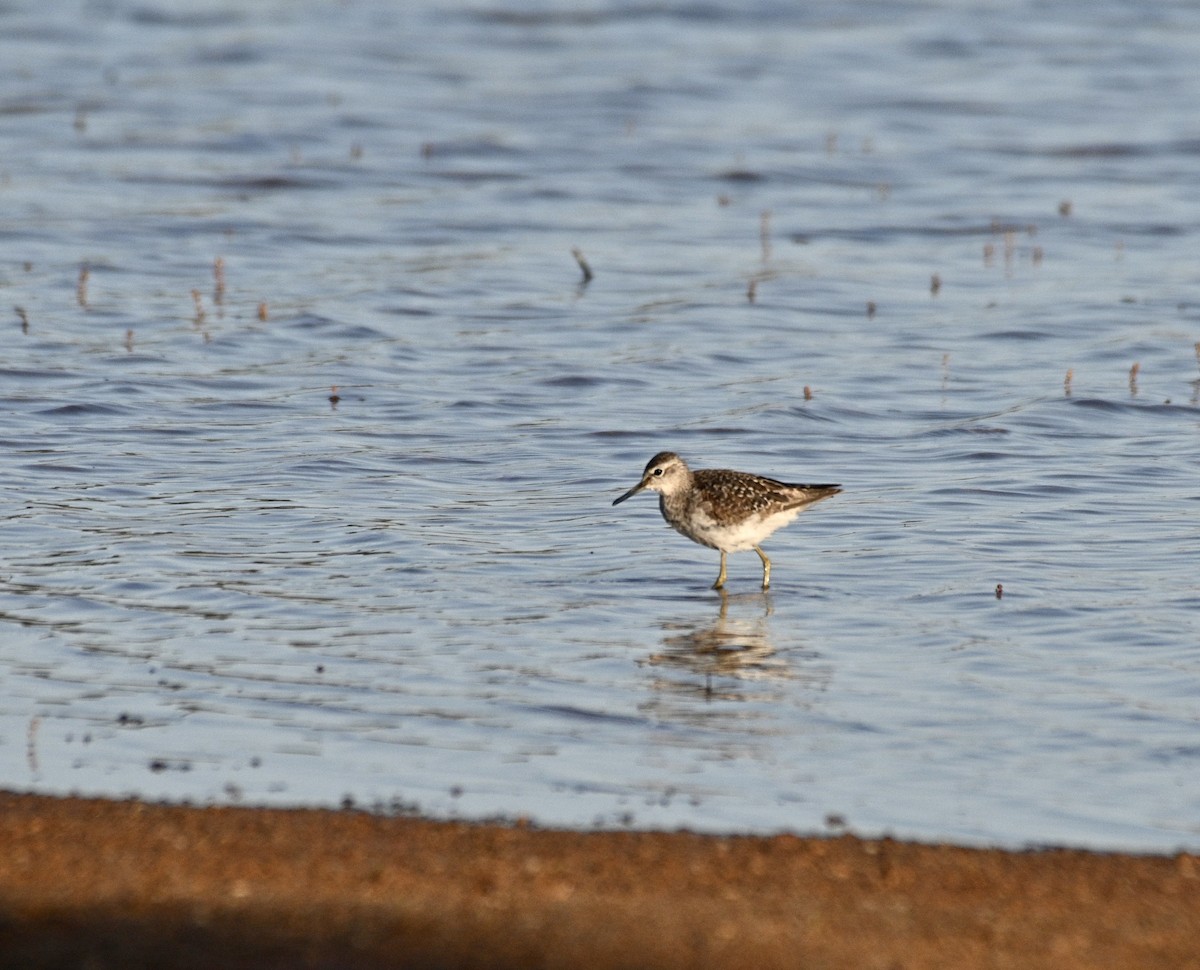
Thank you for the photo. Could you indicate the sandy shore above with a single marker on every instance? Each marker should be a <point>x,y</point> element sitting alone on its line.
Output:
<point>97,884</point>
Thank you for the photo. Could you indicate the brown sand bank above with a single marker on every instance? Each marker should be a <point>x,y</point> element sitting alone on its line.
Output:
<point>97,884</point>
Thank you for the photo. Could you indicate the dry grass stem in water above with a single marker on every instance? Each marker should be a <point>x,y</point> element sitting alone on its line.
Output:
<point>31,734</point>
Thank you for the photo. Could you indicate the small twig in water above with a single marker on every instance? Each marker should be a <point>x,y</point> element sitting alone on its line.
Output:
<point>583,264</point>
<point>1067,381</point>
<point>81,286</point>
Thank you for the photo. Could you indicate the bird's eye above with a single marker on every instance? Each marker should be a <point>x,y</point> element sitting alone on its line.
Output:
<point>658,473</point>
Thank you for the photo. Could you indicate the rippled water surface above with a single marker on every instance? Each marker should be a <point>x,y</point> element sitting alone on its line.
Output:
<point>310,425</point>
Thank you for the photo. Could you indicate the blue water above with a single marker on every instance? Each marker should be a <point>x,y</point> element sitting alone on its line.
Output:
<point>330,521</point>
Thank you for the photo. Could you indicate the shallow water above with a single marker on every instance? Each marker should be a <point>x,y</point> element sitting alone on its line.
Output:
<point>332,522</point>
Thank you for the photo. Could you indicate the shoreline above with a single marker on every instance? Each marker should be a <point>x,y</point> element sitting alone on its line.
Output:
<point>98,883</point>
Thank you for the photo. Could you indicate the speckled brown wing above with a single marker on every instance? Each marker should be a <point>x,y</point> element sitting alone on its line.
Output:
<point>729,496</point>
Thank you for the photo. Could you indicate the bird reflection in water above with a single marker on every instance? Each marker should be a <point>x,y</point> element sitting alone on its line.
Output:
<point>737,649</point>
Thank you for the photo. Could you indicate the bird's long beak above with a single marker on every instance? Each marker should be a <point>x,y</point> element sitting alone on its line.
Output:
<point>632,492</point>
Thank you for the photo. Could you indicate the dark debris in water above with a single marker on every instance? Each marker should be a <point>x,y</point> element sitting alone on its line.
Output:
<point>159,765</point>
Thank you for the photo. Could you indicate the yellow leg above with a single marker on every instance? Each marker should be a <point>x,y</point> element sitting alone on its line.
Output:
<point>766,566</point>
<point>721,576</point>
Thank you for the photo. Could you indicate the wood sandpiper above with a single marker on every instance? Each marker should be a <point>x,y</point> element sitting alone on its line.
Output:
<point>722,509</point>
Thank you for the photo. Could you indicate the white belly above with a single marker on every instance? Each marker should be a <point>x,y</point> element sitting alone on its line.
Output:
<point>732,537</point>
